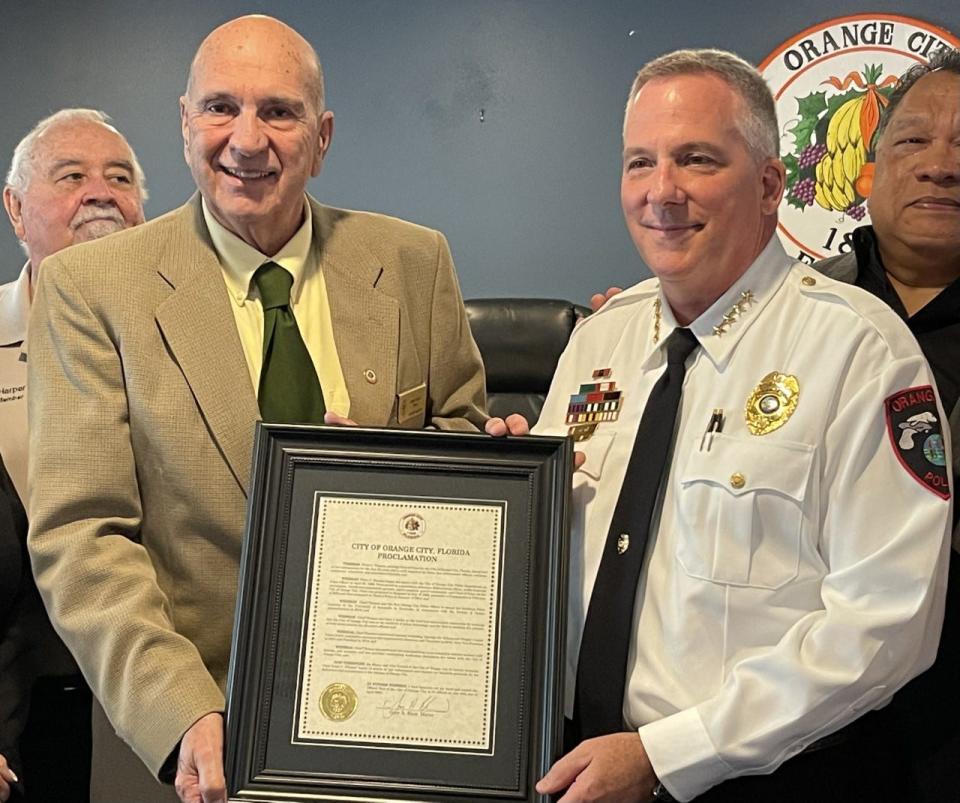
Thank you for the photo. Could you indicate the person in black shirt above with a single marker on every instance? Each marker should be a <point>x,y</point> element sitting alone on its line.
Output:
<point>15,585</point>
<point>910,258</point>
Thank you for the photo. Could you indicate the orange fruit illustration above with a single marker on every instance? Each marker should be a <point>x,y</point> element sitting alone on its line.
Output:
<point>864,182</point>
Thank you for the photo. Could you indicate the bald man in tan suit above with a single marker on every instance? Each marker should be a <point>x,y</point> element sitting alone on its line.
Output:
<point>143,359</point>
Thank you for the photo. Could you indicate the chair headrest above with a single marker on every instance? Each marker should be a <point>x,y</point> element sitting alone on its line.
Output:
<point>521,339</point>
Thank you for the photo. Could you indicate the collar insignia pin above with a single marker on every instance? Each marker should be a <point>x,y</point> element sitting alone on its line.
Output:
<point>733,314</point>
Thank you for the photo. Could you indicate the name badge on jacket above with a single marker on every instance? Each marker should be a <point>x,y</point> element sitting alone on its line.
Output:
<point>411,404</point>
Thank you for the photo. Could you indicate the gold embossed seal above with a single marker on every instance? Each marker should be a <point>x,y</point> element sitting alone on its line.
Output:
<point>338,702</point>
<point>772,402</point>
<point>412,525</point>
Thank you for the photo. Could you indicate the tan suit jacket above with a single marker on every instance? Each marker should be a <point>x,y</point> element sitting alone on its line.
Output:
<point>142,416</point>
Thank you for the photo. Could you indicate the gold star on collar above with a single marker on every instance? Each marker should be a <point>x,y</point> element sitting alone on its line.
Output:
<point>734,313</point>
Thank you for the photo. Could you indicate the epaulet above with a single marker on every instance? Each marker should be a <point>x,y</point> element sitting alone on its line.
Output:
<point>637,294</point>
<point>877,313</point>
<point>812,282</point>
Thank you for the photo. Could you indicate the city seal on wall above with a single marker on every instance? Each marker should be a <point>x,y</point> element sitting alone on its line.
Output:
<point>831,83</point>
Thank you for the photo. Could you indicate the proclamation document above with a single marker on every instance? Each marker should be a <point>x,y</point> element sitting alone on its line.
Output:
<point>401,623</point>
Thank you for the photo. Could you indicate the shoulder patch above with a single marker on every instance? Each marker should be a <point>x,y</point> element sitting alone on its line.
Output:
<point>913,423</point>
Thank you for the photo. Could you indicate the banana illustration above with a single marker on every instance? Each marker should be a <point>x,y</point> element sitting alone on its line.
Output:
<point>855,133</point>
<point>843,124</point>
<point>820,196</point>
<point>840,166</point>
<point>853,159</point>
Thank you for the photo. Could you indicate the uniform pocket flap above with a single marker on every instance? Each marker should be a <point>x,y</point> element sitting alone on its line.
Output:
<point>743,465</point>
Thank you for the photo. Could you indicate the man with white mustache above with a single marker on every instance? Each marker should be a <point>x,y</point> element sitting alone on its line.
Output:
<point>73,178</point>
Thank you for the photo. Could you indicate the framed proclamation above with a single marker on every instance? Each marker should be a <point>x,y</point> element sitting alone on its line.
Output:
<point>401,616</point>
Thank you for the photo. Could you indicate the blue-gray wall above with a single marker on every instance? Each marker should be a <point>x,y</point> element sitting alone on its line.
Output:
<point>529,197</point>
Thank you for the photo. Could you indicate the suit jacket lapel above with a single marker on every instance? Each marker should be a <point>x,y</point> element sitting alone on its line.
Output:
<point>366,318</point>
<point>200,329</point>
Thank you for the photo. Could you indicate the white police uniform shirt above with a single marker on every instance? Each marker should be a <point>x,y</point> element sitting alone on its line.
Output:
<point>14,315</point>
<point>794,580</point>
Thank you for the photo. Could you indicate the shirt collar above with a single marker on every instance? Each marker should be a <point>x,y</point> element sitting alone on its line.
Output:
<point>240,260</point>
<point>15,309</point>
<point>724,323</point>
<point>865,249</point>
<point>942,310</point>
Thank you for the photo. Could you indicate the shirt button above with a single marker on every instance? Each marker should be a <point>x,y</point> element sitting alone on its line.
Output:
<point>371,376</point>
<point>737,480</point>
<point>808,281</point>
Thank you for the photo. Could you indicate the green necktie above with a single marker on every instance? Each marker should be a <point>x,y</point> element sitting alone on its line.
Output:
<point>289,390</point>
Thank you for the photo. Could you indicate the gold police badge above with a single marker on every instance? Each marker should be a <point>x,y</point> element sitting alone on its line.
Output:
<point>772,402</point>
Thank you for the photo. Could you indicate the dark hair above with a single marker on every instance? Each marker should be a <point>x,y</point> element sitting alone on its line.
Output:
<point>946,59</point>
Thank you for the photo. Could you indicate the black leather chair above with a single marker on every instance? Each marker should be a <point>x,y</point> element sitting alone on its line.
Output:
<point>520,340</point>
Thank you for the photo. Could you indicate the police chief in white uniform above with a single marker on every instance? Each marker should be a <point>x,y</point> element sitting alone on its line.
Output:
<point>795,565</point>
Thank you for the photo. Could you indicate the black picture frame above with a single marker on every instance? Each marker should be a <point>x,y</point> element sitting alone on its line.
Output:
<point>296,465</point>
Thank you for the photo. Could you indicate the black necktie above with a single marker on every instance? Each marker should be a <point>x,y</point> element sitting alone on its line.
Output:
<point>602,667</point>
<point>289,389</point>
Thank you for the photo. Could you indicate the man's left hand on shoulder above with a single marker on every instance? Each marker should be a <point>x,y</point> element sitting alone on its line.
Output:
<point>611,769</point>
<point>597,300</point>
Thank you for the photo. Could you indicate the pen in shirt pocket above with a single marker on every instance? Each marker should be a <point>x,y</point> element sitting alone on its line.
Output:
<point>715,425</point>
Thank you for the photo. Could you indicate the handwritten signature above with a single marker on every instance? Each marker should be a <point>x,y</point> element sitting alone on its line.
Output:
<point>414,705</point>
